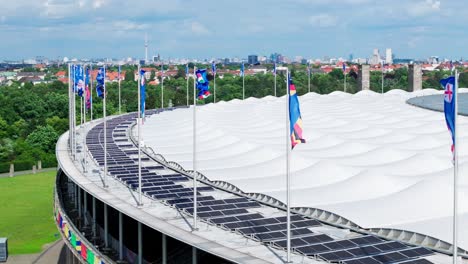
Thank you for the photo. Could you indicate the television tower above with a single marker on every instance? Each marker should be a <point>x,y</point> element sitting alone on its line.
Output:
<point>146,48</point>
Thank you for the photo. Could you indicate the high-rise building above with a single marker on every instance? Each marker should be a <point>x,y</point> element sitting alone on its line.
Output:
<point>388,56</point>
<point>375,59</point>
<point>253,59</point>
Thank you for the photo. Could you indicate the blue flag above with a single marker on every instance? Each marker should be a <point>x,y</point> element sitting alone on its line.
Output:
<point>142,92</point>
<point>87,90</point>
<point>274,68</point>
<point>100,79</point>
<point>202,84</point>
<point>118,73</point>
<point>78,79</point>
<point>344,67</point>
<point>213,68</point>
<point>449,105</point>
<point>242,70</point>
<point>186,70</point>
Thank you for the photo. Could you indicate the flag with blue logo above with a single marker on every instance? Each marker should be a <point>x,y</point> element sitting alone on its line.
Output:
<point>213,68</point>
<point>100,79</point>
<point>295,119</point>
<point>241,73</point>
<point>78,80</point>
<point>87,90</point>
<point>449,106</point>
<point>274,68</point>
<point>142,92</point>
<point>202,84</point>
<point>344,67</point>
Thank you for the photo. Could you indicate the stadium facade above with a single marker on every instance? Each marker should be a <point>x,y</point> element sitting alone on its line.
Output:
<point>241,210</point>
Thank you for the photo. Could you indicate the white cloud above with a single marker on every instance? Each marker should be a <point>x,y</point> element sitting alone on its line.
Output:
<point>423,8</point>
<point>323,20</point>
<point>199,29</point>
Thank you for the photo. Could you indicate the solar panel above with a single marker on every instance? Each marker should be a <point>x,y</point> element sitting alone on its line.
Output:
<point>366,260</point>
<point>417,252</point>
<point>417,261</point>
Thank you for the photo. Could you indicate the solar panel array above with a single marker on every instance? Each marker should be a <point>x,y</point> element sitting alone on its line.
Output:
<point>235,214</point>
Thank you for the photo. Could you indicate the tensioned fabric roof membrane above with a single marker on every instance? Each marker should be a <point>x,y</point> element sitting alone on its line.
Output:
<point>371,158</point>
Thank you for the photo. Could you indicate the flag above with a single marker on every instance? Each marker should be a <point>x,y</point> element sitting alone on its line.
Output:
<point>452,67</point>
<point>87,90</point>
<point>274,68</point>
<point>449,106</point>
<point>213,68</point>
<point>242,70</point>
<point>344,67</point>
<point>202,84</point>
<point>308,68</point>
<point>142,93</point>
<point>186,70</point>
<point>295,119</point>
<point>100,79</point>
<point>118,73</point>
<point>79,80</point>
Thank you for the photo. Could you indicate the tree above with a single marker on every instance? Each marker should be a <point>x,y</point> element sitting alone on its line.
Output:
<point>153,75</point>
<point>43,138</point>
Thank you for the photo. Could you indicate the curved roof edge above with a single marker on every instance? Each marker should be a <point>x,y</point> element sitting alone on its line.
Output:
<point>328,217</point>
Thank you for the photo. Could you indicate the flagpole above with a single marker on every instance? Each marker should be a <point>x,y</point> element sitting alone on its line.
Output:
<point>455,176</point>
<point>70,136</point>
<point>74,117</point>
<point>344,73</point>
<point>187,73</point>
<point>120,101</point>
<point>162,86</point>
<point>308,74</point>
<point>382,78</point>
<point>288,161</point>
<point>214,84</point>
<point>243,83</point>
<point>91,92</point>
<point>84,120</point>
<point>195,226</point>
<point>140,200</point>
<point>275,80</point>
<point>105,128</point>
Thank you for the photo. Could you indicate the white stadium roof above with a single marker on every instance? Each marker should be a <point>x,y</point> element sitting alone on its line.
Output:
<point>370,158</point>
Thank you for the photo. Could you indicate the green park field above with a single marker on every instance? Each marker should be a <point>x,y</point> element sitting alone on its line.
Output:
<point>26,212</point>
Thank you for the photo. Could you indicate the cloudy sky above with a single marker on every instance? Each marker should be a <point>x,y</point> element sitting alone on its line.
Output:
<point>228,28</point>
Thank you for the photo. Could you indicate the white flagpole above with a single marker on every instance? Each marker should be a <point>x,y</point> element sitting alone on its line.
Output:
<point>214,88</point>
<point>455,176</point>
<point>91,92</point>
<point>140,202</point>
<point>120,100</point>
<point>70,124</point>
<point>382,77</point>
<point>81,109</point>
<point>344,73</point>
<point>308,75</point>
<point>74,118</point>
<point>243,83</point>
<point>186,67</point>
<point>288,160</point>
<point>195,226</point>
<point>105,129</point>
<point>84,120</point>
<point>276,72</point>
<point>162,86</point>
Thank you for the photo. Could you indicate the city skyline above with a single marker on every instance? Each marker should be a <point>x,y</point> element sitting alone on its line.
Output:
<point>308,28</point>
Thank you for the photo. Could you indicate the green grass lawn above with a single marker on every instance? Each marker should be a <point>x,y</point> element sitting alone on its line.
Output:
<point>26,212</point>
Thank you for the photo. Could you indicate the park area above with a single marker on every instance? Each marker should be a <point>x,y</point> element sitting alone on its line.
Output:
<point>26,206</point>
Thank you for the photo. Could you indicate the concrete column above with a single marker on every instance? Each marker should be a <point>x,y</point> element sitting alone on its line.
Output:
<point>364,77</point>
<point>120,236</point>
<point>194,255</point>
<point>106,227</point>
<point>79,203</point>
<point>414,77</point>
<point>12,169</point>
<point>94,217</point>
<point>140,244</point>
<point>164,249</point>
<point>85,207</point>
<point>39,165</point>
